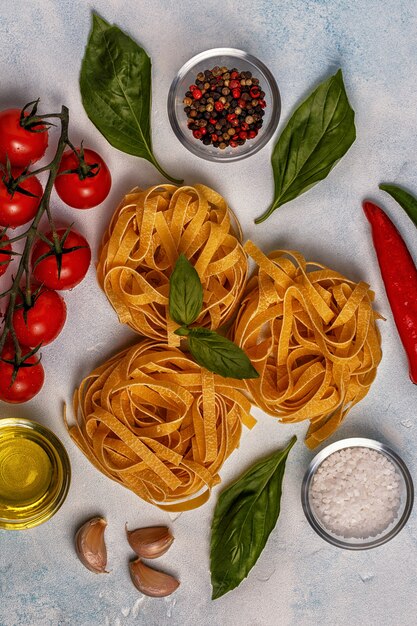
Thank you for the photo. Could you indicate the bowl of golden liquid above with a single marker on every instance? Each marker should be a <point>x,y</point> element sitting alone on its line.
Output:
<point>35,473</point>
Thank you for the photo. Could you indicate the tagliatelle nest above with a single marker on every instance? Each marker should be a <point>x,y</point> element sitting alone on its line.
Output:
<point>153,420</point>
<point>311,334</point>
<point>147,233</point>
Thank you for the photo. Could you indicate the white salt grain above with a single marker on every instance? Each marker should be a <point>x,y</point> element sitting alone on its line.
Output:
<point>356,493</point>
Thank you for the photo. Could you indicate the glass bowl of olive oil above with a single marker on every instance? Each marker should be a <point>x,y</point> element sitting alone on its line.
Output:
<point>35,474</point>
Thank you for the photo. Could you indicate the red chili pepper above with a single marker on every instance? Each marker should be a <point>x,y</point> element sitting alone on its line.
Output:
<point>399,274</point>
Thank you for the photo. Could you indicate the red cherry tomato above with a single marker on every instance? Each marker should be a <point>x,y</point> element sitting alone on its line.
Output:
<point>21,145</point>
<point>44,320</point>
<point>4,255</point>
<point>74,263</point>
<point>18,209</point>
<point>83,190</point>
<point>28,381</point>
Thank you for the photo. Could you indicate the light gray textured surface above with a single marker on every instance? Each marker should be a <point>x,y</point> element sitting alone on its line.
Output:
<point>299,580</point>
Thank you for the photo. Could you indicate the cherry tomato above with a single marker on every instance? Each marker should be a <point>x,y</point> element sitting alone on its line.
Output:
<point>28,381</point>
<point>22,146</point>
<point>44,320</point>
<point>74,264</point>
<point>4,255</point>
<point>83,190</point>
<point>18,209</point>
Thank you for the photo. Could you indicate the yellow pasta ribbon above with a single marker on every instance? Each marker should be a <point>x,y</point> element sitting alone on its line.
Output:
<point>154,421</point>
<point>311,334</point>
<point>147,233</point>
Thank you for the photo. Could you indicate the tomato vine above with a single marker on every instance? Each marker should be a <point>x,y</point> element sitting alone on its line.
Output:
<point>20,292</point>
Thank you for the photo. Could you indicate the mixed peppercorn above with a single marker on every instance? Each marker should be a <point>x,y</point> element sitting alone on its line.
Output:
<point>225,107</point>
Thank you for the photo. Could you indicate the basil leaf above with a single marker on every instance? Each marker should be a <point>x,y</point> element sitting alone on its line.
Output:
<point>245,515</point>
<point>404,199</point>
<point>115,84</point>
<point>318,134</point>
<point>219,355</point>
<point>185,292</point>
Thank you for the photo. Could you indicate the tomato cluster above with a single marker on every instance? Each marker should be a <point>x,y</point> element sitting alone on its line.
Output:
<point>59,258</point>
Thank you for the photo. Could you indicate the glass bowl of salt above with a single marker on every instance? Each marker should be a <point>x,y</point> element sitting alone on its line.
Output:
<point>357,493</point>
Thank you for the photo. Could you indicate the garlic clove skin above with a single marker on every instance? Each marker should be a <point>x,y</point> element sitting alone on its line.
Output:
<point>152,582</point>
<point>90,546</point>
<point>151,542</point>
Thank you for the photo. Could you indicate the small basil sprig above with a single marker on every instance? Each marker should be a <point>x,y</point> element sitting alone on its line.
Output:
<point>219,355</point>
<point>407,201</point>
<point>209,349</point>
<point>318,134</point>
<point>245,515</point>
<point>185,292</point>
<point>115,84</point>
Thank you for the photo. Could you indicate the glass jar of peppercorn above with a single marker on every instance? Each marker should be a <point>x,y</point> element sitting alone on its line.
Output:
<point>224,105</point>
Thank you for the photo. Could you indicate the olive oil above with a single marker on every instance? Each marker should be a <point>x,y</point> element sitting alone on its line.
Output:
<point>34,473</point>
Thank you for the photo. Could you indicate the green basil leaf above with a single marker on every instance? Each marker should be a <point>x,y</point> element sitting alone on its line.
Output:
<point>185,292</point>
<point>245,515</point>
<point>407,201</point>
<point>318,134</point>
<point>182,331</point>
<point>115,84</point>
<point>219,355</point>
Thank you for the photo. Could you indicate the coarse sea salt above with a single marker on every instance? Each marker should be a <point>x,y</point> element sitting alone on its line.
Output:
<point>356,493</point>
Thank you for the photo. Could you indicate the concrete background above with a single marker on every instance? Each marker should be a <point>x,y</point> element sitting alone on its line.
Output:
<point>299,579</point>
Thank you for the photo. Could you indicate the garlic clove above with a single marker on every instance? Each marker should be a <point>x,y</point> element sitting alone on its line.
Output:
<point>151,542</point>
<point>152,582</point>
<point>90,545</point>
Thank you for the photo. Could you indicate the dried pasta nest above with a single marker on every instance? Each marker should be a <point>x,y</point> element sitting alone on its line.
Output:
<point>311,334</point>
<point>153,420</point>
<point>147,233</point>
